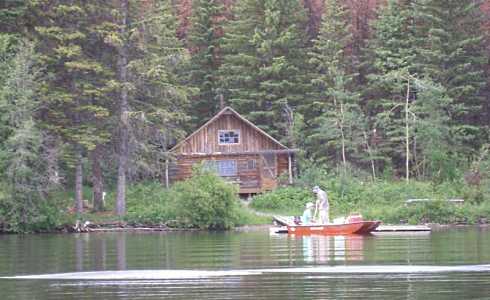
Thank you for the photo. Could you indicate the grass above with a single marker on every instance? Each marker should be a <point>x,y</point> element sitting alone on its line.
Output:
<point>147,203</point>
<point>385,201</point>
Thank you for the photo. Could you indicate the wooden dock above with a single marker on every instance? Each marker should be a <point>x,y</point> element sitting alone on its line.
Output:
<point>402,228</point>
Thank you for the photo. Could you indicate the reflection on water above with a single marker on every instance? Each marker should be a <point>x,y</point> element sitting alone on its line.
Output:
<point>321,249</point>
<point>449,264</point>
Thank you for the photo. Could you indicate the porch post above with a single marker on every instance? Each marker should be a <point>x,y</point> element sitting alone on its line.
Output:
<point>290,168</point>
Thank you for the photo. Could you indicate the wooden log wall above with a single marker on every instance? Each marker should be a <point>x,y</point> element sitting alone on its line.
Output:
<point>206,139</point>
<point>249,170</point>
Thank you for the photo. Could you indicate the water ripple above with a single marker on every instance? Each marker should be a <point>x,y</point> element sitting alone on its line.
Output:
<point>190,274</point>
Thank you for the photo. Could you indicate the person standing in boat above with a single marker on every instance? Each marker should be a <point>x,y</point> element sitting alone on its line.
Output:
<point>321,206</point>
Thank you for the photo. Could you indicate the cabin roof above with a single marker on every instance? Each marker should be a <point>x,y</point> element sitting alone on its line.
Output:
<point>227,110</point>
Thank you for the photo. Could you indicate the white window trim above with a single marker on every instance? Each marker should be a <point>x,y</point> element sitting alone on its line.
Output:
<point>227,130</point>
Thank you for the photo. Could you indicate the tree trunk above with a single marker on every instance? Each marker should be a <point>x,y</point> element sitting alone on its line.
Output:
<point>123,110</point>
<point>373,166</point>
<point>79,185</point>
<point>97,180</point>
<point>344,160</point>
<point>407,135</point>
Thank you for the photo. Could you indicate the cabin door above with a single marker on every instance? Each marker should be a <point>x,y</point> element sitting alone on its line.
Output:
<point>268,172</point>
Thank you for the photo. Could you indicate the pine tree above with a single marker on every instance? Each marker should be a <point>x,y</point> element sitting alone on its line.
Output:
<point>160,101</point>
<point>264,63</point>
<point>11,14</point>
<point>204,42</point>
<point>451,53</point>
<point>75,81</point>
<point>334,116</point>
<point>21,165</point>
<point>434,155</point>
<point>390,53</point>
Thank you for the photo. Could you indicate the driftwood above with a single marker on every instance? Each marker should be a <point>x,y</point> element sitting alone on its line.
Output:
<point>116,226</point>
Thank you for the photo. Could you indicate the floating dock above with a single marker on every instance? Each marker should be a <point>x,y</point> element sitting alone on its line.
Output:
<point>402,228</point>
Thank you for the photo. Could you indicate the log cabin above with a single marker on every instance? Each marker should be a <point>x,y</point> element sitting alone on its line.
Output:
<point>236,150</point>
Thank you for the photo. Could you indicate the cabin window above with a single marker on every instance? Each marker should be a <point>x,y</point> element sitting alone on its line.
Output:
<point>251,164</point>
<point>228,137</point>
<point>223,168</point>
<point>227,168</point>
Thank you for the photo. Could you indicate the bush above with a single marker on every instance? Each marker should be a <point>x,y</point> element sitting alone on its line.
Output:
<point>149,203</point>
<point>288,199</point>
<point>205,201</point>
<point>382,200</point>
<point>30,215</point>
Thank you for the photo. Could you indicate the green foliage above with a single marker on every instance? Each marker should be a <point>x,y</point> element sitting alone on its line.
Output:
<point>37,216</point>
<point>11,13</point>
<point>381,200</point>
<point>206,201</point>
<point>76,84</point>
<point>23,208</point>
<point>264,63</point>
<point>215,207</point>
<point>149,203</point>
<point>204,40</point>
<point>160,96</point>
<point>451,52</point>
<point>285,200</point>
<point>334,118</point>
<point>247,217</point>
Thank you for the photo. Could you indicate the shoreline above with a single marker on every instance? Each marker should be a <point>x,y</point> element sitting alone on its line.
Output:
<point>98,228</point>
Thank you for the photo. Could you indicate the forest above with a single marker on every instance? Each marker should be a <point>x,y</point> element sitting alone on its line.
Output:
<point>93,93</point>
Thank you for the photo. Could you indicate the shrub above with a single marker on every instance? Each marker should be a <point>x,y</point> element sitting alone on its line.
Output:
<point>288,199</point>
<point>205,201</point>
<point>37,215</point>
<point>149,203</point>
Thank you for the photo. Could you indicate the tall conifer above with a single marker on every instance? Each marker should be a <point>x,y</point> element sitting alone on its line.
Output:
<point>451,52</point>
<point>75,80</point>
<point>264,61</point>
<point>204,42</point>
<point>334,117</point>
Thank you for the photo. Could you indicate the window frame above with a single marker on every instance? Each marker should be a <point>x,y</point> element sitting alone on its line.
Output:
<point>236,131</point>
<point>222,167</point>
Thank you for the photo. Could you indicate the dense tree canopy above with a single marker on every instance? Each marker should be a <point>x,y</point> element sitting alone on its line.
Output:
<point>399,89</point>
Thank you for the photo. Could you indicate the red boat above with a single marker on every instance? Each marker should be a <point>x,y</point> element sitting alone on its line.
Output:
<point>368,227</point>
<point>361,227</point>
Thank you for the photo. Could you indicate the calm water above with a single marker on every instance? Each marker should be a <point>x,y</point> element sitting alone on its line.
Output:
<point>451,264</point>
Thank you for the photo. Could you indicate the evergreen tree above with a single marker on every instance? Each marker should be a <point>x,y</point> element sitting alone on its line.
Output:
<point>75,81</point>
<point>160,101</point>
<point>334,117</point>
<point>11,13</point>
<point>204,42</point>
<point>451,53</point>
<point>390,53</point>
<point>264,63</point>
<point>434,154</point>
<point>21,165</point>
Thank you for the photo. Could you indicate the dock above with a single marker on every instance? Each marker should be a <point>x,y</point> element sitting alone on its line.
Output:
<point>402,228</point>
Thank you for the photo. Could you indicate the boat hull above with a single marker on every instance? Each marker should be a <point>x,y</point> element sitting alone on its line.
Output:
<point>363,227</point>
<point>368,227</point>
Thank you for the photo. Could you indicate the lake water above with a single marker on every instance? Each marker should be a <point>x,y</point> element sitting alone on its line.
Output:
<point>448,264</point>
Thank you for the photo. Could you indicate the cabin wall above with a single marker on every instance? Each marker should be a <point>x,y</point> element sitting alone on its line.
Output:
<point>206,139</point>
<point>248,175</point>
<point>252,177</point>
